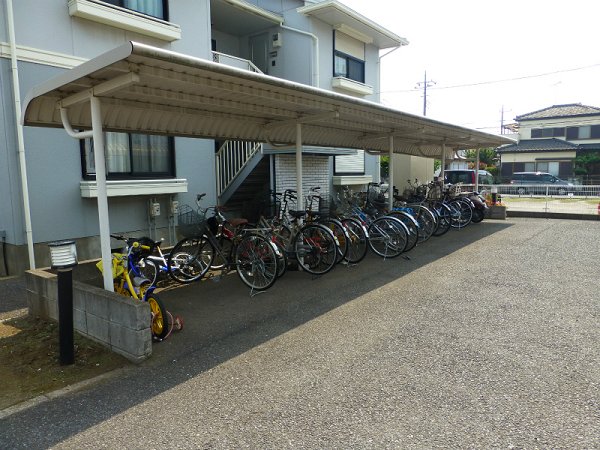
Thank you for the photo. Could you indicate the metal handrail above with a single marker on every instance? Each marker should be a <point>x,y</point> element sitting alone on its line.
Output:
<point>235,61</point>
<point>231,159</point>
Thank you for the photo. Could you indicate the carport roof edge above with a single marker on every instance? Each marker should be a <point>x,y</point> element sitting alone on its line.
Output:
<point>171,93</point>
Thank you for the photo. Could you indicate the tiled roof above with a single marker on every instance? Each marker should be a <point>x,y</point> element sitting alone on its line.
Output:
<point>589,146</point>
<point>569,110</point>
<point>538,145</point>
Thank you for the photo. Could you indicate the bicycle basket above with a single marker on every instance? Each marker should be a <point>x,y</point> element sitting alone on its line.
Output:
<point>117,266</point>
<point>455,190</point>
<point>191,223</point>
<point>435,193</point>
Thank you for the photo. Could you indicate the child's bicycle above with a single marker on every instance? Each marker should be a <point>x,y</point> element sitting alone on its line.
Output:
<point>129,281</point>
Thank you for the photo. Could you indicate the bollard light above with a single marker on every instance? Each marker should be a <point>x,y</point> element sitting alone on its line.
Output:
<point>494,195</point>
<point>63,255</point>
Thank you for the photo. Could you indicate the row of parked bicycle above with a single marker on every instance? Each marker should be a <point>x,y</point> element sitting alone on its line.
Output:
<point>313,239</point>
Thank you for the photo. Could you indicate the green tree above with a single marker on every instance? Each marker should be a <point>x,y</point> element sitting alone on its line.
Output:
<point>384,166</point>
<point>486,155</point>
<point>584,163</point>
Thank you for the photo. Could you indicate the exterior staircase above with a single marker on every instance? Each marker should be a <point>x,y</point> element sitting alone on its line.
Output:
<point>249,198</point>
<point>243,175</point>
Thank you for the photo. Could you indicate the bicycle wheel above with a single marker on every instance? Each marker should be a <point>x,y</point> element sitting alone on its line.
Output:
<point>256,262</point>
<point>445,217</point>
<point>357,240</point>
<point>190,259</point>
<point>220,259</point>
<point>387,237</point>
<point>461,214</point>
<point>427,221</point>
<point>315,249</point>
<point>282,259</point>
<point>341,236</point>
<point>411,224</point>
<point>145,269</point>
<point>159,321</point>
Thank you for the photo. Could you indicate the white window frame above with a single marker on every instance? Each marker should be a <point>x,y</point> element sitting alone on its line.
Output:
<point>125,19</point>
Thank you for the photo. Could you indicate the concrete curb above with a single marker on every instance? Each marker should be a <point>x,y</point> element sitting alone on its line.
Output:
<point>19,407</point>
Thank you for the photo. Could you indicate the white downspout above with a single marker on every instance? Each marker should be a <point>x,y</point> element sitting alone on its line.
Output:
<point>315,75</point>
<point>20,140</point>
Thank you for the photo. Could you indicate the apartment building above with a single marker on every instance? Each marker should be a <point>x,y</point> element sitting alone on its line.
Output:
<point>47,179</point>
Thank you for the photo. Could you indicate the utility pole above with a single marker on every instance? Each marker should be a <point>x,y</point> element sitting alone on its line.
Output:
<point>502,130</point>
<point>425,84</point>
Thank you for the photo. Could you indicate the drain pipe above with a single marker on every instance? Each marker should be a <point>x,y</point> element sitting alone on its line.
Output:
<point>20,141</point>
<point>315,75</point>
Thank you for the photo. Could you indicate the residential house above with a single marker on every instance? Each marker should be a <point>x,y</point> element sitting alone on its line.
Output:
<point>50,195</point>
<point>551,139</point>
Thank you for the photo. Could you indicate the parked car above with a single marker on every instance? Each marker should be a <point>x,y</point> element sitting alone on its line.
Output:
<point>540,181</point>
<point>467,176</point>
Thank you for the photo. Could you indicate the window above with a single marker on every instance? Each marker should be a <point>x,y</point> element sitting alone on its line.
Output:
<point>584,132</point>
<point>542,167</point>
<point>350,164</point>
<point>547,132</point>
<point>349,67</point>
<point>132,156</point>
<point>348,57</point>
<point>154,8</point>
<point>529,167</point>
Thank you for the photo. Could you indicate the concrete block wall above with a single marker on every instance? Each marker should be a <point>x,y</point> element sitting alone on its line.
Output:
<point>315,172</point>
<point>120,323</point>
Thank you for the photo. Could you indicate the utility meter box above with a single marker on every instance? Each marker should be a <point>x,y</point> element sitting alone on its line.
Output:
<point>154,209</point>
<point>174,207</point>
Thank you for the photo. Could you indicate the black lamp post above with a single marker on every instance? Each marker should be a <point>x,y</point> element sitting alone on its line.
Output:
<point>64,257</point>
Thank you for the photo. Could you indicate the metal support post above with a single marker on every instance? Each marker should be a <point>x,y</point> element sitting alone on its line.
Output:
<point>391,173</point>
<point>65,317</point>
<point>99,159</point>
<point>300,204</point>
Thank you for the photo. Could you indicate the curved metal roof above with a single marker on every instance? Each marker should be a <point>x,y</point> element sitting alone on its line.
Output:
<point>153,90</point>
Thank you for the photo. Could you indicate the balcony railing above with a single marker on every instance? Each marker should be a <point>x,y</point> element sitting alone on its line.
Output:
<point>234,61</point>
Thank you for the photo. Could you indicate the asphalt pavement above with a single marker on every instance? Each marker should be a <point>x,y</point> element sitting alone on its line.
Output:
<point>487,337</point>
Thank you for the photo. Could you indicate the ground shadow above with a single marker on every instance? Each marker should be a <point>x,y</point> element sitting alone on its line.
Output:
<point>221,322</point>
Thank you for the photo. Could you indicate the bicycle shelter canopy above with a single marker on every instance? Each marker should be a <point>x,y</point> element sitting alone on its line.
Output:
<point>139,88</point>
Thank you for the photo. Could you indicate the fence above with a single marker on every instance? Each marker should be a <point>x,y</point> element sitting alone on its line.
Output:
<point>562,199</point>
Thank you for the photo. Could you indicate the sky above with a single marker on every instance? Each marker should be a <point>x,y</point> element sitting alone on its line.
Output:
<point>548,49</point>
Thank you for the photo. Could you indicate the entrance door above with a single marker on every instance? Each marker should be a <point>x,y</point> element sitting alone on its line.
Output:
<point>259,46</point>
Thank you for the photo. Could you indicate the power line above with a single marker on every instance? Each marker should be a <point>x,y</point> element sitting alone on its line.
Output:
<point>481,83</point>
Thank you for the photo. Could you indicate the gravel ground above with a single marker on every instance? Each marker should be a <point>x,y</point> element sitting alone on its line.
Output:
<point>485,338</point>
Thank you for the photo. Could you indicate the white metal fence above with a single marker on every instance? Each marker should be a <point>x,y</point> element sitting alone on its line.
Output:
<point>576,199</point>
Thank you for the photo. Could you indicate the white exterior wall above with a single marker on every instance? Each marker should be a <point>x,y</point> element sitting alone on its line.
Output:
<point>407,167</point>
<point>315,172</point>
<point>529,157</point>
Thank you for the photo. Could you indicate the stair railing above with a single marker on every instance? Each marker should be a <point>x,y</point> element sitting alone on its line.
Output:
<point>231,159</point>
